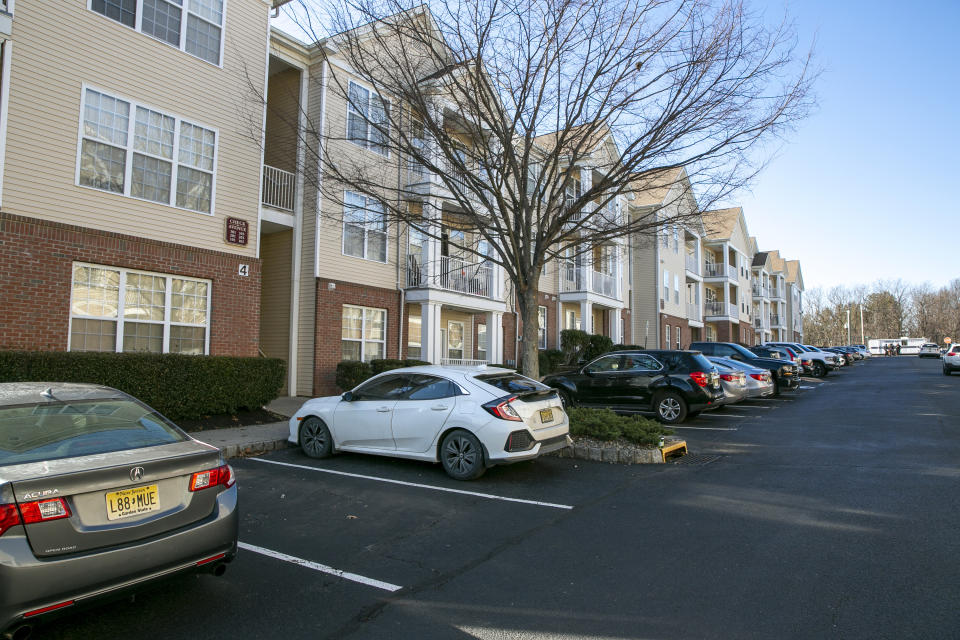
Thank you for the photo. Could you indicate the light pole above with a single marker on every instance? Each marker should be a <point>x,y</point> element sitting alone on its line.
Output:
<point>848,326</point>
<point>862,341</point>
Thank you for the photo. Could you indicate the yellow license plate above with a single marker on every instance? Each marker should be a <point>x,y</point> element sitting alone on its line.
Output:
<point>546,415</point>
<point>132,502</point>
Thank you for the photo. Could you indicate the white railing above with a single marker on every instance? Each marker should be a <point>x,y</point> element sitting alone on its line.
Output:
<point>693,312</point>
<point>461,362</point>
<point>455,274</point>
<point>776,292</point>
<point>692,264</point>
<point>279,188</point>
<point>776,321</point>
<point>721,309</point>
<point>575,279</point>
<point>760,291</point>
<point>720,270</point>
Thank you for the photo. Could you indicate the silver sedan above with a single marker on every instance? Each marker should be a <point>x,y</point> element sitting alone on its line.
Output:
<point>732,381</point>
<point>98,494</point>
<point>759,382</point>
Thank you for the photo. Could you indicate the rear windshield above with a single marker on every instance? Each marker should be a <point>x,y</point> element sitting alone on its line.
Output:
<point>512,382</point>
<point>48,431</point>
<point>700,362</point>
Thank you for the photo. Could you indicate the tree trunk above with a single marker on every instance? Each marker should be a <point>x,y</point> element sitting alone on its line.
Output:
<point>527,305</point>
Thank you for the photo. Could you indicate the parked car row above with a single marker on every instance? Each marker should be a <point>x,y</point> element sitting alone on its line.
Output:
<point>951,360</point>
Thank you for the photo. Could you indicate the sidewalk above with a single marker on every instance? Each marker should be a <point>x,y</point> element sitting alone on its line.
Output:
<point>254,439</point>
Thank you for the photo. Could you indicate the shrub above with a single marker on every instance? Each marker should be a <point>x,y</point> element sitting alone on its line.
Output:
<point>573,342</point>
<point>626,347</point>
<point>410,362</point>
<point>350,373</point>
<point>604,424</point>
<point>598,345</point>
<point>550,361</point>
<point>181,387</point>
<point>385,364</point>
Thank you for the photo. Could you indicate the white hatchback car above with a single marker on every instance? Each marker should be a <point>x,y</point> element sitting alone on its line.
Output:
<point>466,418</point>
<point>951,360</point>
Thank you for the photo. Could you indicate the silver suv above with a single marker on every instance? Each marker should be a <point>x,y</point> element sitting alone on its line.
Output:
<point>951,360</point>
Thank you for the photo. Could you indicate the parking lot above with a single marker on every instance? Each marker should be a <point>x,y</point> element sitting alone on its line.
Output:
<point>829,512</point>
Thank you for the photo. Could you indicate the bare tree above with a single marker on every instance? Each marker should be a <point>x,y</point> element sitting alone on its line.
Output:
<point>504,102</point>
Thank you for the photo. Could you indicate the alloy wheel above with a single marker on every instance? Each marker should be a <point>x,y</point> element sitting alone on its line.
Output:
<point>669,409</point>
<point>461,456</point>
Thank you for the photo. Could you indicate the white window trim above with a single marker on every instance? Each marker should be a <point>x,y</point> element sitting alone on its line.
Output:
<point>183,28</point>
<point>343,236</point>
<point>167,322</point>
<point>363,340</point>
<point>482,352</point>
<point>542,328</point>
<point>463,337</point>
<point>128,166</point>
<point>346,123</point>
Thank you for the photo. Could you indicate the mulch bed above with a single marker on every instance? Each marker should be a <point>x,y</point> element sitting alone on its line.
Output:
<point>227,420</point>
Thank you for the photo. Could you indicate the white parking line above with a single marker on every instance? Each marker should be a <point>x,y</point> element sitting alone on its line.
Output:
<point>809,387</point>
<point>753,406</point>
<point>721,415</point>
<point>322,568</point>
<point>707,428</point>
<point>488,496</point>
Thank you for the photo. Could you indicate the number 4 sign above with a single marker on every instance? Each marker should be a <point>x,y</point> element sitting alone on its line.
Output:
<point>244,270</point>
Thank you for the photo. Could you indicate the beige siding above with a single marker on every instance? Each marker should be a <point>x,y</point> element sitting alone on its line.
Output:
<point>61,46</point>
<point>275,250</point>
<point>645,306</point>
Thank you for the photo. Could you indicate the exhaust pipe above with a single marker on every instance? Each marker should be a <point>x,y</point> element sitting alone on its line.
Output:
<point>22,632</point>
<point>220,570</point>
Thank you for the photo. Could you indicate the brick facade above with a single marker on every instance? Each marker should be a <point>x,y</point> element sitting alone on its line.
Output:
<point>331,296</point>
<point>675,324</point>
<point>36,267</point>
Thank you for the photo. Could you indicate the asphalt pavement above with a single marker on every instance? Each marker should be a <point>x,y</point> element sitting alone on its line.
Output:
<point>829,513</point>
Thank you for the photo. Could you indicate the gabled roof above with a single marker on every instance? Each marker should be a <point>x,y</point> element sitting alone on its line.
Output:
<point>720,223</point>
<point>760,259</point>
<point>777,264</point>
<point>584,136</point>
<point>651,188</point>
<point>793,272</point>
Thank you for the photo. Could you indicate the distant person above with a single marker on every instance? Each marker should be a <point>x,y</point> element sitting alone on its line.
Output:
<point>898,349</point>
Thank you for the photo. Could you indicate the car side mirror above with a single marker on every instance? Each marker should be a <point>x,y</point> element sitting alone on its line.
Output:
<point>347,397</point>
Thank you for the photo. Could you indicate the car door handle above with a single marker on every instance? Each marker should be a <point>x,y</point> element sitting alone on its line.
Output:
<point>439,407</point>
<point>383,409</point>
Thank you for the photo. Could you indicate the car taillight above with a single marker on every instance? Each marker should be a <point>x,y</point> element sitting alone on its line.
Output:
<point>701,378</point>
<point>9,517</point>
<point>758,376</point>
<point>501,408</point>
<point>44,510</point>
<point>221,476</point>
<point>729,377</point>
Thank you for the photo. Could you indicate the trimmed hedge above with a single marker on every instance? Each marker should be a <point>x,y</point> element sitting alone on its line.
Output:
<point>350,373</point>
<point>604,424</point>
<point>181,387</point>
<point>550,361</point>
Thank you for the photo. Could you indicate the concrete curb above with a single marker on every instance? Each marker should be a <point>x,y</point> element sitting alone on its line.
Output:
<point>614,454</point>
<point>253,448</point>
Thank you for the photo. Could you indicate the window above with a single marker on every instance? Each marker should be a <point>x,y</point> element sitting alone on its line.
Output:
<point>123,310</point>
<point>676,289</point>
<point>570,320</point>
<point>431,388</point>
<point>541,327</point>
<point>640,362</point>
<point>199,32</point>
<point>678,337</point>
<point>676,239</point>
<point>666,285</point>
<point>482,341</point>
<point>364,333</point>
<point>367,119</point>
<point>414,347</point>
<point>119,138</point>
<point>388,387</point>
<point>455,340</point>
<point>666,337</point>
<point>364,227</point>
<point>606,363</point>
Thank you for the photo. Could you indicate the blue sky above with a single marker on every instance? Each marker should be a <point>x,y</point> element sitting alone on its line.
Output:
<point>862,189</point>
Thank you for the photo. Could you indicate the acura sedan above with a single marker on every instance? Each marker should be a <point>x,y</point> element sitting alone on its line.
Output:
<point>99,494</point>
<point>466,418</point>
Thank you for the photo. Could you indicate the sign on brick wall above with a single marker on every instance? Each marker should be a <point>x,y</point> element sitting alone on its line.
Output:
<point>237,231</point>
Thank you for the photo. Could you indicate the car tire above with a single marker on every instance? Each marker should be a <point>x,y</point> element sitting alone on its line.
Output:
<point>776,388</point>
<point>819,370</point>
<point>670,408</point>
<point>565,400</point>
<point>315,438</point>
<point>462,456</point>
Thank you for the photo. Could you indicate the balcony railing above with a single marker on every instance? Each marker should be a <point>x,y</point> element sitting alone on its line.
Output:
<point>461,362</point>
<point>760,291</point>
<point>776,320</point>
<point>721,309</point>
<point>418,174</point>
<point>692,264</point>
<point>693,312</point>
<point>575,279</point>
<point>720,270</point>
<point>776,292</point>
<point>279,188</point>
<point>455,274</point>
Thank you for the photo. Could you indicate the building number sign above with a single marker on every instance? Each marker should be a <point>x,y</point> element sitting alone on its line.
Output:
<point>244,270</point>
<point>237,231</point>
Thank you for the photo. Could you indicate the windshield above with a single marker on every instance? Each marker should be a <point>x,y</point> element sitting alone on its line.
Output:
<point>47,431</point>
<point>702,362</point>
<point>746,353</point>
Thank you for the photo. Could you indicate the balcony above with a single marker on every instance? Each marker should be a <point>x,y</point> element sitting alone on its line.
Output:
<point>575,279</point>
<point>760,291</point>
<point>720,270</point>
<point>777,322</point>
<point>721,310</point>
<point>455,274</point>
<point>692,264</point>
<point>422,180</point>
<point>279,188</point>
<point>694,313</point>
<point>776,293</point>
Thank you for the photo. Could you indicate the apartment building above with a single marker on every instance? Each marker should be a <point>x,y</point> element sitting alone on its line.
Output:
<point>129,213</point>
<point>794,297</point>
<point>728,261</point>
<point>668,292</point>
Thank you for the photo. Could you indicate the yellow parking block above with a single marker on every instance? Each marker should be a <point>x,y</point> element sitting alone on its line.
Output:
<point>674,450</point>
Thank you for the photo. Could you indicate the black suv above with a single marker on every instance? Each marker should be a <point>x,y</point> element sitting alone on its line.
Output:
<point>674,385</point>
<point>785,373</point>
